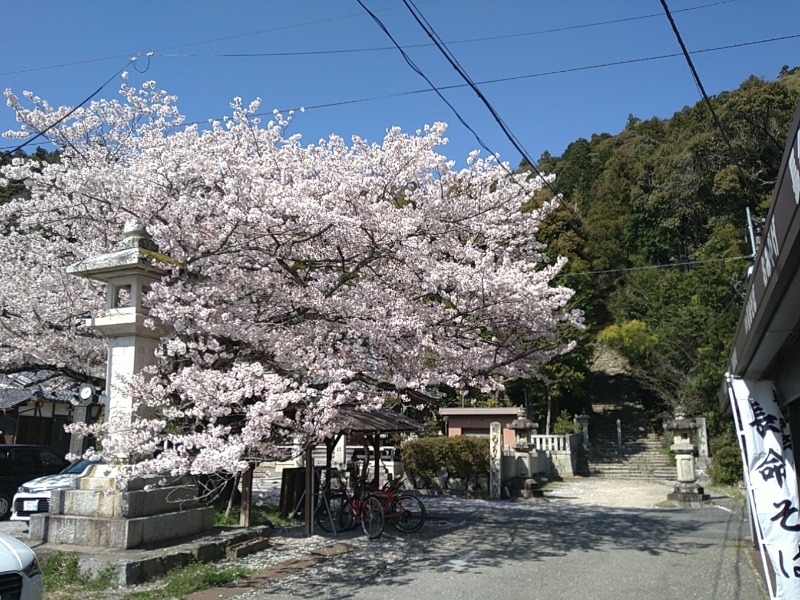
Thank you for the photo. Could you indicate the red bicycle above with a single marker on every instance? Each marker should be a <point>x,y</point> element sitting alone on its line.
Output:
<point>402,510</point>
<point>339,510</point>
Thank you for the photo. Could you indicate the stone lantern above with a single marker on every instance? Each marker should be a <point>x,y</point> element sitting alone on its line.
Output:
<point>522,427</point>
<point>686,490</point>
<point>102,511</point>
<point>128,273</point>
<point>523,484</point>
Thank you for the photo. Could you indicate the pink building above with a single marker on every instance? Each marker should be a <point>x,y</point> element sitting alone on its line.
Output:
<point>476,421</point>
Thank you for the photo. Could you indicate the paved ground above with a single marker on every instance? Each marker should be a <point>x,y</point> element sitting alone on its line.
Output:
<point>591,538</point>
<point>594,538</point>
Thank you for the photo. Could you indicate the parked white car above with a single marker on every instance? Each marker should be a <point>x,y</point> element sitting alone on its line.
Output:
<point>34,496</point>
<point>20,575</point>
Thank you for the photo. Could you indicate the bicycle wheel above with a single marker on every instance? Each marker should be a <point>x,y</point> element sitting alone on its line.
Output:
<point>340,515</point>
<point>407,513</point>
<point>372,517</point>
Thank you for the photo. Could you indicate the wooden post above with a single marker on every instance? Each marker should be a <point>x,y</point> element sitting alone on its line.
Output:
<point>309,497</point>
<point>247,496</point>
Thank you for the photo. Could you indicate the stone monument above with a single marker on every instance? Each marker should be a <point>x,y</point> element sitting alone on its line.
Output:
<point>102,512</point>
<point>495,461</point>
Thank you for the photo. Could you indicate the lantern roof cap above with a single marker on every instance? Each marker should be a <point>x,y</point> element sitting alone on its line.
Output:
<point>136,253</point>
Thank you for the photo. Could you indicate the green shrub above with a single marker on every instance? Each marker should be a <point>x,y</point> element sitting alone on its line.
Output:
<point>565,424</point>
<point>465,458</point>
<point>726,466</point>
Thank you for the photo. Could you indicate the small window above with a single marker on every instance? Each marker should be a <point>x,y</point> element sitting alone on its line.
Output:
<point>122,297</point>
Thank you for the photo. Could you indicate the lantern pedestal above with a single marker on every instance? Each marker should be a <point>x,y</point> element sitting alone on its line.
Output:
<point>94,515</point>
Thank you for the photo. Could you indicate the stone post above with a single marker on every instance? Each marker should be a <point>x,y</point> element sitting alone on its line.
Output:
<point>703,458</point>
<point>495,461</point>
<point>583,421</point>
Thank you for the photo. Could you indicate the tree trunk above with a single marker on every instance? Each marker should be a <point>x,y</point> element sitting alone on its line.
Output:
<point>231,498</point>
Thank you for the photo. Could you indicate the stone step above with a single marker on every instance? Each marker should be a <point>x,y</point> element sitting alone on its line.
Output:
<point>641,454</point>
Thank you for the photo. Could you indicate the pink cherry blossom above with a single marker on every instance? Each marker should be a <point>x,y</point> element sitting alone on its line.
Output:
<point>310,275</point>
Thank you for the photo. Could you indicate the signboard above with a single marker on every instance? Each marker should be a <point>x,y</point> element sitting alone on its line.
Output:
<point>771,479</point>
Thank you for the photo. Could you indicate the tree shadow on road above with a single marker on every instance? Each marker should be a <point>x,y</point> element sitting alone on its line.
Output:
<point>477,536</point>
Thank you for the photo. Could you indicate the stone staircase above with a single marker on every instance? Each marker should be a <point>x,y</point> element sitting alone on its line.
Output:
<point>640,456</point>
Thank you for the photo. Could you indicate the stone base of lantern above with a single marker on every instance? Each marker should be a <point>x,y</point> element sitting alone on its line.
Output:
<point>688,493</point>
<point>131,518</point>
<point>525,489</point>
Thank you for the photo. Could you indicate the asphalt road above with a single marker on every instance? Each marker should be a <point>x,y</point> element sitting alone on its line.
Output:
<point>544,549</point>
<point>591,538</point>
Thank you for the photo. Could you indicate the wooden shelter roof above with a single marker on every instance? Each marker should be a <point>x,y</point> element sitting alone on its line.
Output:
<point>351,419</point>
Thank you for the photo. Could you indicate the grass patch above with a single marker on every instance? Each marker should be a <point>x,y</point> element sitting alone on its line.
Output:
<point>259,515</point>
<point>64,581</point>
<point>669,455</point>
<point>191,578</point>
<point>731,491</point>
<point>60,572</point>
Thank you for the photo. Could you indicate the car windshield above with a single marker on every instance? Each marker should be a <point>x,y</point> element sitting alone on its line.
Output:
<point>79,466</point>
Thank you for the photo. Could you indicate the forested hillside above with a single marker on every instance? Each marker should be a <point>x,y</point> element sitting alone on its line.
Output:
<point>654,220</point>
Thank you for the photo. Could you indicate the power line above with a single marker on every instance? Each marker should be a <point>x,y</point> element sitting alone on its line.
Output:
<point>68,114</point>
<point>702,89</point>
<point>431,33</point>
<point>498,80</point>
<point>433,87</point>
<point>159,51</point>
<point>449,43</point>
<point>671,265</point>
<point>128,18</point>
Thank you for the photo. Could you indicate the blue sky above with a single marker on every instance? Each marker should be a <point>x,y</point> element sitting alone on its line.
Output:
<point>541,60</point>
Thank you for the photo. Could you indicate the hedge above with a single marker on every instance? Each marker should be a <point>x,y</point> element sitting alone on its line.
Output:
<point>465,458</point>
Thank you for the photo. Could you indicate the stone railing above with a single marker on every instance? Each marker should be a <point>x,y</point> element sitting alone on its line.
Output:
<point>527,464</point>
<point>561,450</point>
<point>556,443</point>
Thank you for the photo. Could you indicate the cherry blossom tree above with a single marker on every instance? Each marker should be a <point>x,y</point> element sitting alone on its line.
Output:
<point>306,275</point>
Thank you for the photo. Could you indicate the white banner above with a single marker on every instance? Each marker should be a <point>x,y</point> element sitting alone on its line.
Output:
<point>771,481</point>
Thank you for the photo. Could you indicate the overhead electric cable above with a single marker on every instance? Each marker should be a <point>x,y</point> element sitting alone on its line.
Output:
<point>658,267</point>
<point>160,51</point>
<point>702,89</point>
<point>521,77</point>
<point>431,33</point>
<point>127,19</point>
<point>450,43</point>
<point>416,69</point>
<point>66,116</point>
